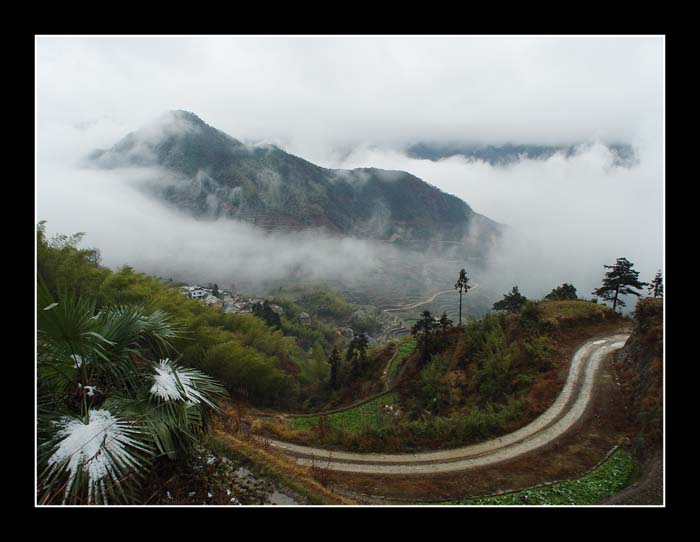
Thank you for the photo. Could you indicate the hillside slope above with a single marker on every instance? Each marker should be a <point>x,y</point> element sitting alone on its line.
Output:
<point>639,368</point>
<point>211,174</point>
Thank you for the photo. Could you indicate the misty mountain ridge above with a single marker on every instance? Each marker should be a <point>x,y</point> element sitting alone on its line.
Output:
<point>624,155</point>
<point>212,175</point>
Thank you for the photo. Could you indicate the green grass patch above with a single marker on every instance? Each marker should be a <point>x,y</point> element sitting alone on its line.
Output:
<point>577,308</point>
<point>609,478</point>
<point>366,416</point>
<point>405,350</point>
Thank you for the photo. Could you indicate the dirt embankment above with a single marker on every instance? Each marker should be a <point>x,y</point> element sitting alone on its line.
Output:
<point>639,372</point>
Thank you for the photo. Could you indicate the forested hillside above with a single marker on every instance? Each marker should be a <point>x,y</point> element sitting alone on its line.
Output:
<point>281,363</point>
<point>213,174</point>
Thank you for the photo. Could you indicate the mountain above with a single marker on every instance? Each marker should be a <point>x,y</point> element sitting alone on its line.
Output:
<point>624,155</point>
<point>211,174</point>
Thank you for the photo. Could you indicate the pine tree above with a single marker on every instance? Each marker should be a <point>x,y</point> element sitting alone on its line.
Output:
<point>351,355</point>
<point>423,330</point>
<point>619,281</point>
<point>362,344</point>
<point>444,323</point>
<point>334,362</point>
<point>511,301</point>
<point>656,286</point>
<point>462,285</point>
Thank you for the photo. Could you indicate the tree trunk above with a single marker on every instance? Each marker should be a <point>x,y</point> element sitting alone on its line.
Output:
<point>460,307</point>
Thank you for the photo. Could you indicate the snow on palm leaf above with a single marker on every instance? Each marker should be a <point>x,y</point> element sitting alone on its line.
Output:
<point>174,383</point>
<point>104,449</point>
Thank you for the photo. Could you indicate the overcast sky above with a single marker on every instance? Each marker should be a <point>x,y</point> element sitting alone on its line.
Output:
<point>330,90</point>
<point>351,101</point>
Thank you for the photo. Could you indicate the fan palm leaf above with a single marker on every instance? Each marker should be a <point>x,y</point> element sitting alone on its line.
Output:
<point>100,457</point>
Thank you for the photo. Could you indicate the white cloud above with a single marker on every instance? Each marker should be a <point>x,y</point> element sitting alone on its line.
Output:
<point>346,102</point>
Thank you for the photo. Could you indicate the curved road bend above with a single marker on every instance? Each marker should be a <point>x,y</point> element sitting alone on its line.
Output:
<point>414,305</point>
<point>552,424</point>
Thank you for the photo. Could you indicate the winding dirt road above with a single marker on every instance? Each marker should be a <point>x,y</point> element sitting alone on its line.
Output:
<point>414,305</point>
<point>552,424</point>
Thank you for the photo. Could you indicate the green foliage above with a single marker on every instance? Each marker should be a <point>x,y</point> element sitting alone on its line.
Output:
<point>433,390</point>
<point>475,334</point>
<point>495,360</point>
<point>608,479</point>
<point>64,267</point>
<point>334,362</point>
<point>315,371</point>
<point>538,351</point>
<point>356,353</point>
<point>511,301</point>
<point>462,285</point>
<point>354,420</point>
<point>621,280</point>
<point>656,286</point>
<point>563,292</point>
<point>647,313</point>
<point>246,372</point>
<point>405,350</point>
<point>454,430</point>
<point>369,323</point>
<point>264,311</point>
<point>531,318</point>
<point>444,323</point>
<point>291,361</point>
<point>424,332</point>
<point>101,414</point>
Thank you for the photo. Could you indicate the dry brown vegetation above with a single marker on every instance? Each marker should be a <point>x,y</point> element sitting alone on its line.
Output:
<point>639,369</point>
<point>309,481</point>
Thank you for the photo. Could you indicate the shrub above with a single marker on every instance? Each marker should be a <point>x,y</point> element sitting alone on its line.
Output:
<point>648,312</point>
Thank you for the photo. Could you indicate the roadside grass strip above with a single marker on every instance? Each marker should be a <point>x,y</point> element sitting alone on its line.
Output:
<point>606,480</point>
<point>365,416</point>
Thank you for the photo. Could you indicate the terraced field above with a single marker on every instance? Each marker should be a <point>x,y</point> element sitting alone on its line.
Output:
<point>367,415</point>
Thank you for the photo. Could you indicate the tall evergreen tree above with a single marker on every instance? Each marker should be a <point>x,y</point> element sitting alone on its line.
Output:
<point>462,285</point>
<point>656,286</point>
<point>361,344</point>
<point>351,355</point>
<point>423,331</point>
<point>334,362</point>
<point>444,323</point>
<point>619,281</point>
<point>269,316</point>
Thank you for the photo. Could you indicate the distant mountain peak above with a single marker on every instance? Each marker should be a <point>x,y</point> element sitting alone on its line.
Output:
<point>624,155</point>
<point>182,115</point>
<point>211,174</point>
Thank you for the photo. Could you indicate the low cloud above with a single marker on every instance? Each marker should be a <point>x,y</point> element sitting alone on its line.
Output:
<point>566,216</point>
<point>358,101</point>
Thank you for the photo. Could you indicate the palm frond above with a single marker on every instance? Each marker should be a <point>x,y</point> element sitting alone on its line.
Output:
<point>174,383</point>
<point>94,460</point>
